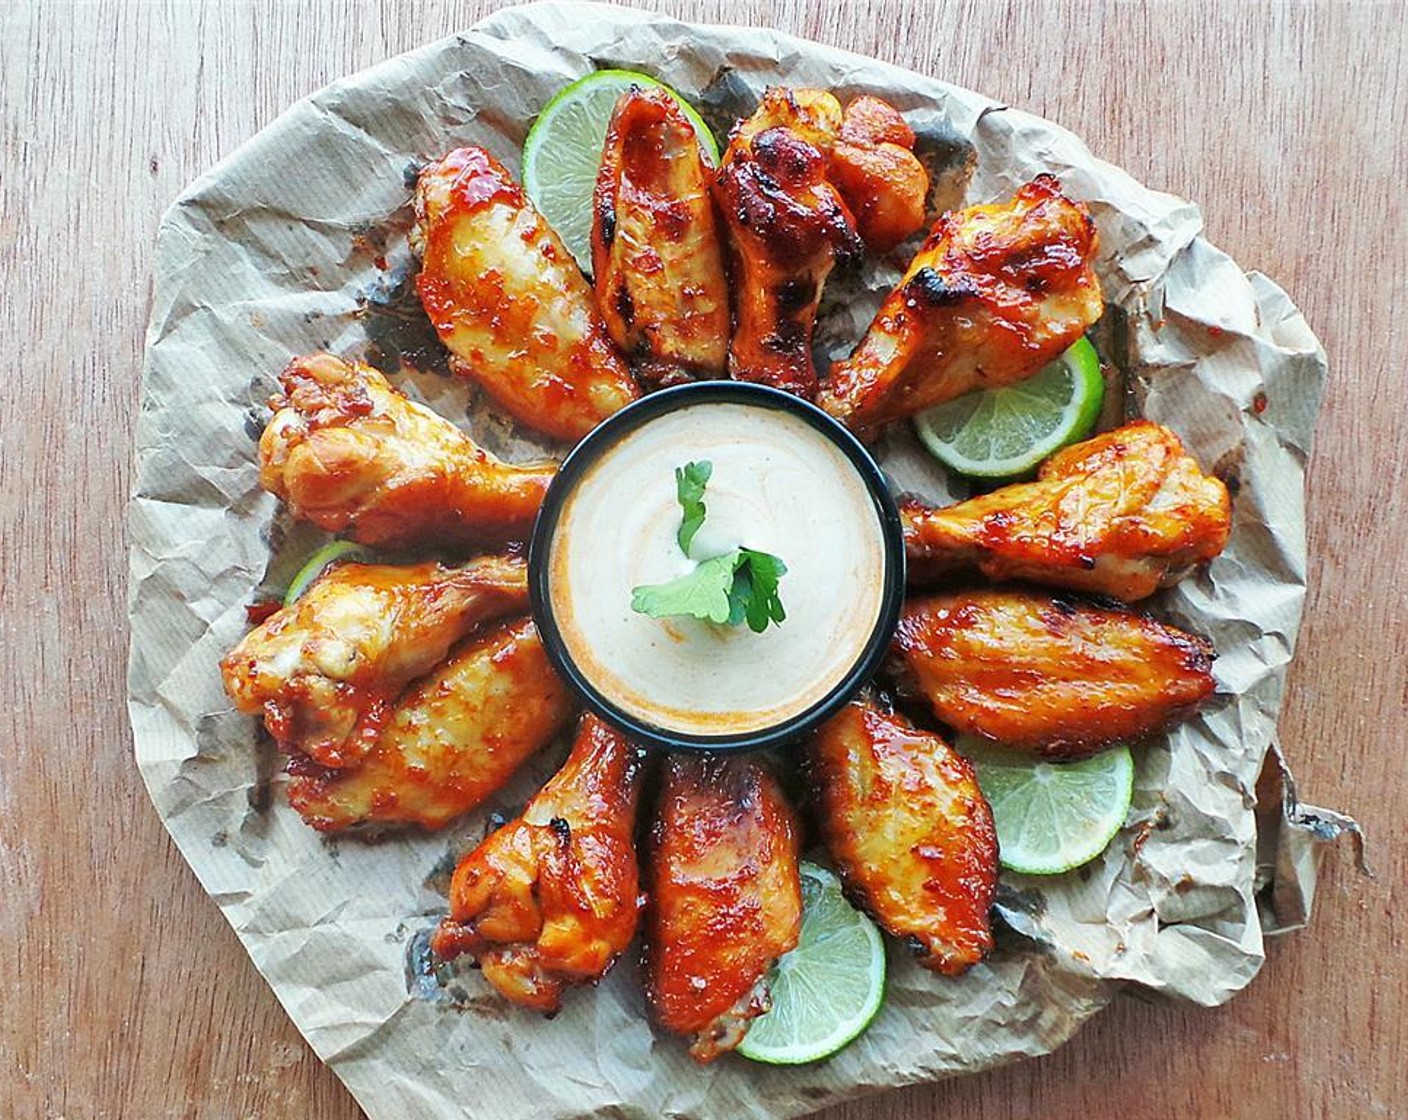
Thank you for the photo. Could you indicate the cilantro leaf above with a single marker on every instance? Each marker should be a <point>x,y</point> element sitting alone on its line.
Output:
<point>703,593</point>
<point>739,585</point>
<point>690,481</point>
<point>764,573</point>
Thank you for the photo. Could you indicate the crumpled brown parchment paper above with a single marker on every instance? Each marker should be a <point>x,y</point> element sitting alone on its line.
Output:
<point>297,242</point>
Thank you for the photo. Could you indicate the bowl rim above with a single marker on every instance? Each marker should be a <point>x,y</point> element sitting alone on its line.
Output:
<point>633,416</point>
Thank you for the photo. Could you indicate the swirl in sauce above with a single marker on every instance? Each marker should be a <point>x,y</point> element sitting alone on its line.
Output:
<point>779,486</point>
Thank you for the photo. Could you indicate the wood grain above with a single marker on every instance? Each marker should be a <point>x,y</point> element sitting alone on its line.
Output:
<point>124,993</point>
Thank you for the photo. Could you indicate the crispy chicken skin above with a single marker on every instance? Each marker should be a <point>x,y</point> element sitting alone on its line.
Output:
<point>509,302</point>
<point>1119,515</point>
<point>724,897</point>
<point>657,258</point>
<point>553,898</point>
<point>910,832</point>
<point>452,739</point>
<point>787,225</point>
<point>994,293</point>
<point>325,670</point>
<point>349,453</point>
<point>1056,677</point>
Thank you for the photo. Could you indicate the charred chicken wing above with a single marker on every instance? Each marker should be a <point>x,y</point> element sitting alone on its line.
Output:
<point>911,833</point>
<point>995,293</point>
<point>325,670</point>
<point>801,185</point>
<point>1120,515</point>
<point>724,897</point>
<point>349,453</point>
<point>1059,678</point>
<point>553,898</point>
<point>509,302</point>
<point>452,739</point>
<point>657,260</point>
<point>787,225</point>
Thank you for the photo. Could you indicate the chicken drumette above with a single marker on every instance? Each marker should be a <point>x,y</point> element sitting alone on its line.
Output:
<point>1058,677</point>
<point>1119,515</point>
<point>452,738</point>
<point>995,293</point>
<point>325,670</point>
<point>552,898</point>
<point>349,453</point>
<point>509,302</point>
<point>724,897</point>
<point>910,831</point>
<point>657,260</point>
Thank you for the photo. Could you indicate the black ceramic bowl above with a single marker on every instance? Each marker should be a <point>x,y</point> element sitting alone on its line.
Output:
<point>611,431</point>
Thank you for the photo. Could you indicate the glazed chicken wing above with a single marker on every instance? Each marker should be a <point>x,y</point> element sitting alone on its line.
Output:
<point>451,740</point>
<point>910,832</point>
<point>1120,515</point>
<point>994,294</point>
<point>1059,678</point>
<point>349,453</point>
<point>324,671</point>
<point>724,897</point>
<point>787,225</point>
<point>801,185</point>
<point>874,167</point>
<point>657,260</point>
<point>509,302</point>
<point>553,898</point>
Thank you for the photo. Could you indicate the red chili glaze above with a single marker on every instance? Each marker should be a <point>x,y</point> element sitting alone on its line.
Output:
<point>261,610</point>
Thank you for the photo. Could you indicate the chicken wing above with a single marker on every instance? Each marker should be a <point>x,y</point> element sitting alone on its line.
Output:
<point>873,165</point>
<point>553,898</point>
<point>349,453</point>
<point>994,294</point>
<point>1120,515</point>
<point>910,832</point>
<point>1056,677</point>
<point>724,898</point>
<point>452,739</point>
<point>657,260</point>
<point>787,225</point>
<point>509,302</point>
<point>325,670</point>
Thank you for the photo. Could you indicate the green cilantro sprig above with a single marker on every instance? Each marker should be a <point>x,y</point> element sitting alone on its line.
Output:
<point>741,585</point>
<point>690,481</point>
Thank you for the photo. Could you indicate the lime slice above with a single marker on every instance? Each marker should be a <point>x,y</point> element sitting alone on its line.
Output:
<point>826,990</point>
<point>563,151</point>
<point>331,553</point>
<point>1052,816</point>
<point>1003,433</point>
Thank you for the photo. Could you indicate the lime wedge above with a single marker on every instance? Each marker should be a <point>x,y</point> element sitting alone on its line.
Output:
<point>1005,433</point>
<point>826,990</point>
<point>331,553</point>
<point>563,152</point>
<point>1052,816</point>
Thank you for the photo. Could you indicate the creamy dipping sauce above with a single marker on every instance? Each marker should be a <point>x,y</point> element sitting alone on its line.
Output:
<point>779,486</point>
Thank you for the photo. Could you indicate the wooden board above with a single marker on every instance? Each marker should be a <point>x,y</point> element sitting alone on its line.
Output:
<point>124,993</point>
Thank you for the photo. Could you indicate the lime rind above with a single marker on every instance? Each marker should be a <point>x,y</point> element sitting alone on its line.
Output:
<point>562,152</point>
<point>1006,433</point>
<point>331,553</point>
<point>1052,817</point>
<point>840,954</point>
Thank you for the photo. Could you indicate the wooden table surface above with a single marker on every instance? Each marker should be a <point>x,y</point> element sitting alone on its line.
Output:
<point>124,993</point>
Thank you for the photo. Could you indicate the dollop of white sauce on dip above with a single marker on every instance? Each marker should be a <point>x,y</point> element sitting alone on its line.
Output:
<point>779,486</point>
